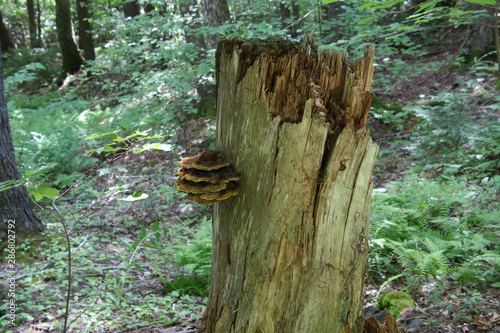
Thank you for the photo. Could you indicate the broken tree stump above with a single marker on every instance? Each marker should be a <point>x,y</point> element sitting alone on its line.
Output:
<point>290,250</point>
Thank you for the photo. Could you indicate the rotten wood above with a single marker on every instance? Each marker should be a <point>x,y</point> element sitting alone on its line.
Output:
<point>289,252</point>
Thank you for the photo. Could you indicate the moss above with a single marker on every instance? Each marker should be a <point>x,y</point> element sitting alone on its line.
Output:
<point>29,248</point>
<point>395,302</point>
<point>378,103</point>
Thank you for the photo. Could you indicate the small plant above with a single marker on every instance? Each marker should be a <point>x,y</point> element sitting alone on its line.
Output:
<point>154,237</point>
<point>195,257</point>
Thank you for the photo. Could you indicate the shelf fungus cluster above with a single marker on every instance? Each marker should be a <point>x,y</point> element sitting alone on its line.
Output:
<point>207,178</point>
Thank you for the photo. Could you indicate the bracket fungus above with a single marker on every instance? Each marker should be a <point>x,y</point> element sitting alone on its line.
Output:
<point>207,178</point>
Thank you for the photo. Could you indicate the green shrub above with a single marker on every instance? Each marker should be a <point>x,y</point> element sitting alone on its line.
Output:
<point>47,130</point>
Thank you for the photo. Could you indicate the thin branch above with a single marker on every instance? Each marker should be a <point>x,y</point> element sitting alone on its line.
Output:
<point>29,274</point>
<point>83,242</point>
<point>300,19</point>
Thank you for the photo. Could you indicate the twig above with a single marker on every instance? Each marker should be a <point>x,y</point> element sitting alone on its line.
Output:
<point>68,241</point>
<point>29,274</point>
<point>83,242</point>
<point>300,19</point>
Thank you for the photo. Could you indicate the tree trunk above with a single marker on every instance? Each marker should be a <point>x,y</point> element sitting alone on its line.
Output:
<point>32,23</point>
<point>131,8</point>
<point>290,251</point>
<point>296,17</point>
<point>189,10</point>
<point>332,12</point>
<point>85,30</point>
<point>14,203</point>
<point>5,37</point>
<point>285,14</point>
<point>39,20</point>
<point>289,14</point>
<point>481,38</point>
<point>71,57</point>
<point>216,13</point>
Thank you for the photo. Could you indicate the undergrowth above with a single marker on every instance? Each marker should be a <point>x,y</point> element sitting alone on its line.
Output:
<point>434,228</point>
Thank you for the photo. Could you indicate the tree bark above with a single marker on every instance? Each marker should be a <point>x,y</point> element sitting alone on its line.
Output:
<point>5,37</point>
<point>39,20</point>
<point>481,38</point>
<point>131,8</point>
<point>14,203</point>
<point>189,10</point>
<point>32,23</point>
<point>289,14</point>
<point>71,57</point>
<point>290,250</point>
<point>85,41</point>
<point>216,13</point>
<point>331,14</point>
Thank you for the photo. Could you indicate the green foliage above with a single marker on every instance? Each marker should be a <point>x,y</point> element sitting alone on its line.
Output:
<point>194,256</point>
<point>22,66</point>
<point>25,74</point>
<point>133,142</point>
<point>434,228</point>
<point>394,115</point>
<point>447,123</point>
<point>54,139</point>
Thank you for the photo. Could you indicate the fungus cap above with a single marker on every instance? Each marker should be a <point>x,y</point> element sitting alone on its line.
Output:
<point>207,178</point>
<point>208,160</point>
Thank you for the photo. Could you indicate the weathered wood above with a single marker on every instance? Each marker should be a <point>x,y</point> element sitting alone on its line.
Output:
<point>289,252</point>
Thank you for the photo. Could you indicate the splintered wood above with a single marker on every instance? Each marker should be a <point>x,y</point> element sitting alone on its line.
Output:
<point>340,90</point>
<point>289,251</point>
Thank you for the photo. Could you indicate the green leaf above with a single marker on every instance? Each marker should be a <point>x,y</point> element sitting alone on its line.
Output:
<point>43,191</point>
<point>155,227</point>
<point>98,135</point>
<point>38,65</point>
<point>27,316</point>
<point>138,267</point>
<point>426,5</point>
<point>483,2</point>
<point>43,168</point>
<point>366,20</point>
<point>135,198</point>
<point>326,2</point>
<point>126,243</point>
<point>154,146</point>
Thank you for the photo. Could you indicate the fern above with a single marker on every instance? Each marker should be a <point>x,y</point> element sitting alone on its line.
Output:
<point>433,228</point>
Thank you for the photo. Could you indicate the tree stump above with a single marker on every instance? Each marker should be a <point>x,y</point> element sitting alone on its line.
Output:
<point>290,250</point>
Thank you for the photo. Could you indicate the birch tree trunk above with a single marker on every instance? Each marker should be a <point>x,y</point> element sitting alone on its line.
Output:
<point>289,251</point>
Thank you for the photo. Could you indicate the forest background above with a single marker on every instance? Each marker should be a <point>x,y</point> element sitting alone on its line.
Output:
<point>111,129</point>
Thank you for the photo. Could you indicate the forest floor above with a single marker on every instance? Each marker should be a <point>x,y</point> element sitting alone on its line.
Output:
<point>457,310</point>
